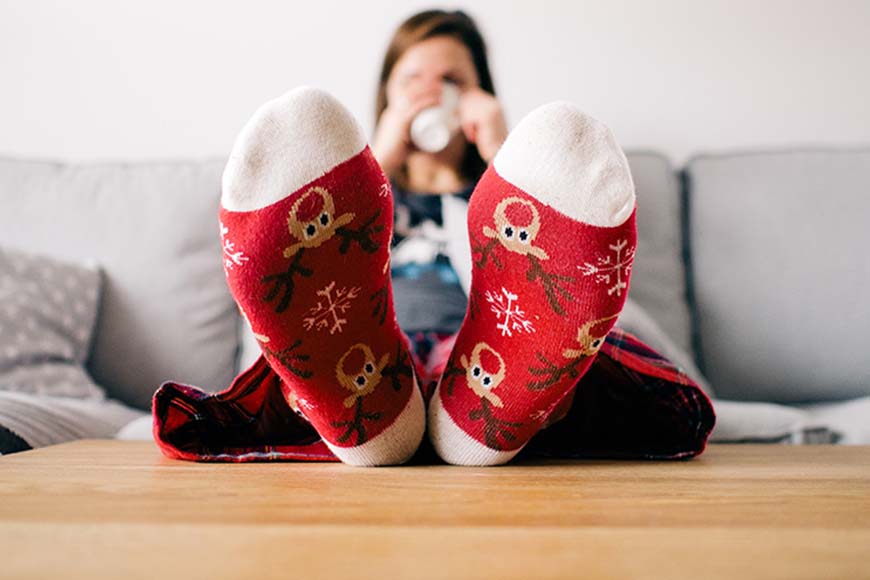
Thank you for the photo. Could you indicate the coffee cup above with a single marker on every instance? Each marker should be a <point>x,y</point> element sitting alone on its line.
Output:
<point>433,127</point>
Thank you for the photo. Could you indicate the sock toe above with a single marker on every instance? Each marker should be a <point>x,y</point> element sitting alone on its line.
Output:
<point>289,141</point>
<point>571,162</point>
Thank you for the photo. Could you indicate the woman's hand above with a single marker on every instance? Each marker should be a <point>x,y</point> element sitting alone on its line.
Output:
<point>482,121</point>
<point>391,143</point>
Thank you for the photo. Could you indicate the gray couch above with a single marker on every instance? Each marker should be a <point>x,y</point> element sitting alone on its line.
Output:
<point>751,269</point>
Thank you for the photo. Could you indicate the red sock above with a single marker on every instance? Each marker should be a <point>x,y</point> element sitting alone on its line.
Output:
<point>553,236</point>
<point>307,215</point>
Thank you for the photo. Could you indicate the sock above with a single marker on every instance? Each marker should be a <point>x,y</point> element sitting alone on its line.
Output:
<point>306,222</point>
<point>552,232</point>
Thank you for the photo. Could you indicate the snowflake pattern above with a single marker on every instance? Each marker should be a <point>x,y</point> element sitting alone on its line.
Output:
<point>326,314</point>
<point>613,269</point>
<point>232,257</point>
<point>504,305</point>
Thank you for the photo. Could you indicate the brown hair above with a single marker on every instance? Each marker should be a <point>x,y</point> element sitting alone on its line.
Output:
<point>425,25</point>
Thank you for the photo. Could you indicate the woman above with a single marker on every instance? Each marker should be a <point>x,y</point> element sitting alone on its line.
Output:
<point>427,51</point>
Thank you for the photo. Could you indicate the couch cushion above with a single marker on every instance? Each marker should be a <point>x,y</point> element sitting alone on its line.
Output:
<point>47,313</point>
<point>842,422</point>
<point>166,312</point>
<point>747,422</point>
<point>849,420</point>
<point>658,279</point>
<point>780,270</point>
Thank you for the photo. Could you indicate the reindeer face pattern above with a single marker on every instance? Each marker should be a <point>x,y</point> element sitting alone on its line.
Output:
<point>589,343</point>
<point>362,380</point>
<point>312,220</point>
<point>518,233</point>
<point>481,377</point>
<point>298,404</point>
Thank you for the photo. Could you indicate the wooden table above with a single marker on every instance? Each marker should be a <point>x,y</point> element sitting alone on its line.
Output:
<point>120,510</point>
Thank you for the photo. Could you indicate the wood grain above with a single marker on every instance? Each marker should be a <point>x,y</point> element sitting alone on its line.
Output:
<point>109,509</point>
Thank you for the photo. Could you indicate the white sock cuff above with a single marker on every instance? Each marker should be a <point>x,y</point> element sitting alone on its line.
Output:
<point>289,141</point>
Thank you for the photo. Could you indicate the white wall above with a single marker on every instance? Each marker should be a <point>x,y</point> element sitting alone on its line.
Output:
<point>93,79</point>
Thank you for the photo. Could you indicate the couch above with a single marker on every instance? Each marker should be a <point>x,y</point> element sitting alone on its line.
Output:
<point>750,273</point>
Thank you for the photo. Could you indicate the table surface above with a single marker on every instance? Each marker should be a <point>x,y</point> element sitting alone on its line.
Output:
<point>112,509</point>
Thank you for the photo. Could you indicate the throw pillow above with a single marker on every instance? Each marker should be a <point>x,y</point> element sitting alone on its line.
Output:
<point>48,309</point>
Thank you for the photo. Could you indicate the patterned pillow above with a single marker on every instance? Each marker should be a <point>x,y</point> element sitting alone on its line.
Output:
<point>48,309</point>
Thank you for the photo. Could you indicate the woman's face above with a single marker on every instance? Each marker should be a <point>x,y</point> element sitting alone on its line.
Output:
<point>423,68</point>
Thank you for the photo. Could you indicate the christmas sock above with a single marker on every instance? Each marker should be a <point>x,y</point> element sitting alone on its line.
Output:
<point>306,221</point>
<point>553,235</point>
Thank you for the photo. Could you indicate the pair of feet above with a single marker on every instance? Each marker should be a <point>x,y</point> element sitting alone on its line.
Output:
<point>306,222</point>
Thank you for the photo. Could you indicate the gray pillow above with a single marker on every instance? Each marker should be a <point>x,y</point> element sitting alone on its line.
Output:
<point>48,309</point>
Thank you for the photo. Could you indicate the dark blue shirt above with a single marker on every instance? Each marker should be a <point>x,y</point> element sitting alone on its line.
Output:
<point>426,289</point>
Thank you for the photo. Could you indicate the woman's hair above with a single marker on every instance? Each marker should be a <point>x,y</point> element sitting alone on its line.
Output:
<point>429,24</point>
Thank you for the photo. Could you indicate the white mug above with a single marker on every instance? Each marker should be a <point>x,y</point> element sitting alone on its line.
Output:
<point>432,128</point>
